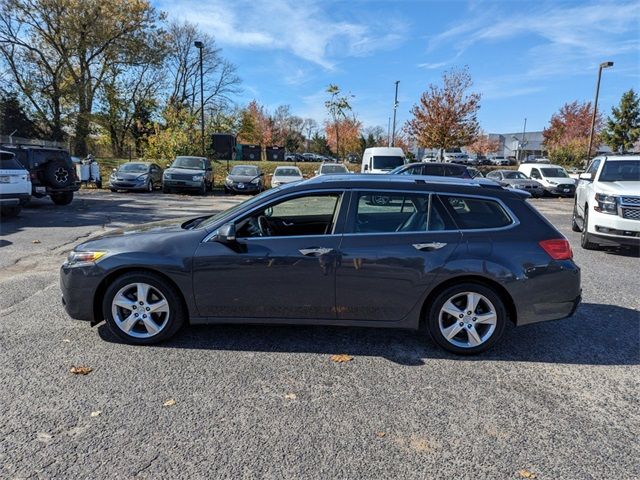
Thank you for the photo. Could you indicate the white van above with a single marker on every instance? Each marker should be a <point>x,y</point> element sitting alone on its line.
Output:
<point>554,179</point>
<point>382,159</point>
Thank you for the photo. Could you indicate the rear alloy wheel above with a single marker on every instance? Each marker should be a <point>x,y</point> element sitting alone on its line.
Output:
<point>585,238</point>
<point>142,308</point>
<point>467,319</point>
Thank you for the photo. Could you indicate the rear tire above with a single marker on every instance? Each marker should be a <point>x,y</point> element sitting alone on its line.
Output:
<point>585,238</point>
<point>478,329</point>
<point>12,211</point>
<point>62,198</point>
<point>125,288</point>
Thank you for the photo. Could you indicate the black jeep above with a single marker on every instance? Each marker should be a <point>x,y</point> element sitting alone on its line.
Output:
<point>52,171</point>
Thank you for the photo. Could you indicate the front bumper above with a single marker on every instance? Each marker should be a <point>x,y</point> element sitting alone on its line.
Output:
<point>14,199</point>
<point>124,185</point>
<point>563,190</point>
<point>79,286</point>
<point>613,230</point>
<point>243,187</point>
<point>534,191</point>
<point>182,184</point>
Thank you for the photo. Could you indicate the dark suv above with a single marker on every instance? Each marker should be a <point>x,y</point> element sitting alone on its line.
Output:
<point>457,258</point>
<point>51,170</point>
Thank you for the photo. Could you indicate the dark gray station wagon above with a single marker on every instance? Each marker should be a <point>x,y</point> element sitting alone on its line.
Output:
<point>457,258</point>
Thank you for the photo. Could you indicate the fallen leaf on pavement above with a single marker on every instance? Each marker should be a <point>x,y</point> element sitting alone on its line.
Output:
<point>169,403</point>
<point>66,340</point>
<point>96,413</point>
<point>36,241</point>
<point>290,396</point>
<point>81,370</point>
<point>381,434</point>
<point>341,358</point>
<point>524,473</point>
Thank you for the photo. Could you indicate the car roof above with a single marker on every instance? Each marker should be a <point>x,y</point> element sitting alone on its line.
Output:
<point>141,162</point>
<point>435,163</point>
<point>384,181</point>
<point>620,157</point>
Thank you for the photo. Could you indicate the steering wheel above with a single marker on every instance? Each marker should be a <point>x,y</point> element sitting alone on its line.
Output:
<point>264,226</point>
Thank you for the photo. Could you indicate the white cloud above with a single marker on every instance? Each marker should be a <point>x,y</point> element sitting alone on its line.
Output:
<point>302,28</point>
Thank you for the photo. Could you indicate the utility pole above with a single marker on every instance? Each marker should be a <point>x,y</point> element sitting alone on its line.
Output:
<point>395,107</point>
<point>595,106</point>
<point>200,46</point>
<point>522,144</point>
<point>389,132</point>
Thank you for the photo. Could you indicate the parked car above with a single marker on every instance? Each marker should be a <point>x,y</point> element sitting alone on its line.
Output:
<point>332,169</point>
<point>382,159</point>
<point>437,169</point>
<point>293,157</point>
<point>341,261</point>
<point>455,155</point>
<point>500,161</point>
<point>244,179</point>
<point>132,176</point>
<point>352,158</point>
<point>483,160</point>
<point>284,175</point>
<point>51,171</point>
<point>188,173</point>
<point>429,157</point>
<point>518,180</point>
<point>553,178</point>
<point>308,157</point>
<point>15,185</point>
<point>607,205</point>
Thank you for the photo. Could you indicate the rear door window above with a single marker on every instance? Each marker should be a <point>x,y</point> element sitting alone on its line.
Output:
<point>471,213</point>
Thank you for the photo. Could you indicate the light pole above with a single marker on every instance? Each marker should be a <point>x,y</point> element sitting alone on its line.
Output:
<point>395,107</point>
<point>200,46</point>
<point>595,105</point>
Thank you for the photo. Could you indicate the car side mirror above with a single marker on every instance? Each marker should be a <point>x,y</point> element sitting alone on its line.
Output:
<point>115,169</point>
<point>226,233</point>
<point>168,165</point>
<point>586,176</point>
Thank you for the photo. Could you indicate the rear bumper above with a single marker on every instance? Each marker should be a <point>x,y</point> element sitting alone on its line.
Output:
<point>14,199</point>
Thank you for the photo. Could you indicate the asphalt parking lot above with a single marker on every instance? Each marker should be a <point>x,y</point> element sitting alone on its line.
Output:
<point>554,400</point>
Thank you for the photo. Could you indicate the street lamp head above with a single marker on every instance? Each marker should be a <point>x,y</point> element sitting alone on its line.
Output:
<point>606,64</point>
<point>199,44</point>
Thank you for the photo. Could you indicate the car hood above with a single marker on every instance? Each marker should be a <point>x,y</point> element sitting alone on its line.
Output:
<point>146,229</point>
<point>621,188</point>
<point>241,178</point>
<point>188,171</point>
<point>561,180</point>
<point>286,179</point>
<point>516,181</point>
<point>128,176</point>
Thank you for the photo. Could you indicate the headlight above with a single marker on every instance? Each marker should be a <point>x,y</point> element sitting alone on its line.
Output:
<point>228,181</point>
<point>80,258</point>
<point>143,176</point>
<point>113,175</point>
<point>197,178</point>
<point>255,181</point>
<point>606,204</point>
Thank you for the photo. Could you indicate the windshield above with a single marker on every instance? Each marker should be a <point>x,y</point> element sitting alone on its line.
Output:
<point>515,176</point>
<point>134,168</point>
<point>192,163</point>
<point>333,169</point>
<point>621,171</point>
<point>286,172</point>
<point>381,162</point>
<point>244,171</point>
<point>554,172</point>
<point>229,212</point>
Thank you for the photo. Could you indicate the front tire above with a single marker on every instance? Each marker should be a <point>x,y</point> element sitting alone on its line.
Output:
<point>142,308</point>
<point>574,219</point>
<point>467,319</point>
<point>585,238</point>
<point>150,186</point>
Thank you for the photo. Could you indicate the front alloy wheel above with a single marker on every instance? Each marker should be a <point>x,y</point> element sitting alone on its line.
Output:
<point>467,318</point>
<point>142,308</point>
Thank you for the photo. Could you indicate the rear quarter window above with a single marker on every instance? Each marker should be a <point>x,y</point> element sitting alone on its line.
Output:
<point>471,213</point>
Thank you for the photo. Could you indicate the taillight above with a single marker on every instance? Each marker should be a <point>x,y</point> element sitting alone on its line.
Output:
<point>557,248</point>
<point>33,175</point>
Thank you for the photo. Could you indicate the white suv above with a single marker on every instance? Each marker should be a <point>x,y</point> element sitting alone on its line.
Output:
<point>15,185</point>
<point>607,207</point>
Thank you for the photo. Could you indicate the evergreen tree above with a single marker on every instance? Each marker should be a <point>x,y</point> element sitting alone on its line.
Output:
<point>623,127</point>
<point>14,118</point>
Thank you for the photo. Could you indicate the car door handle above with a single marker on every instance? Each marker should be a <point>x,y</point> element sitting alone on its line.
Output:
<point>315,252</point>
<point>287,224</point>
<point>429,246</point>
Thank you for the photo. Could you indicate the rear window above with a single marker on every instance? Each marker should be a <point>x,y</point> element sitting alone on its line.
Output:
<point>9,162</point>
<point>456,171</point>
<point>471,213</point>
<point>384,162</point>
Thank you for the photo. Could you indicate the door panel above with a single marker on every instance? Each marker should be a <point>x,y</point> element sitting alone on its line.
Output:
<point>268,277</point>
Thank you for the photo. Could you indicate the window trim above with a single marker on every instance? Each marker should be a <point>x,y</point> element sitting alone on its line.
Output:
<point>340,214</point>
<point>348,225</point>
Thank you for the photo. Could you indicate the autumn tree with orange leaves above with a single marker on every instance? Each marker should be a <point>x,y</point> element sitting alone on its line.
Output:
<point>567,136</point>
<point>446,116</point>
<point>483,145</point>
<point>348,133</point>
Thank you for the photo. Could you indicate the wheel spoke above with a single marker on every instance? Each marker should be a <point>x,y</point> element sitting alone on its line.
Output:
<point>150,325</point>
<point>451,331</point>
<point>474,338</point>
<point>128,323</point>
<point>472,301</point>
<point>451,309</point>
<point>124,302</point>
<point>142,291</point>
<point>487,318</point>
<point>159,307</point>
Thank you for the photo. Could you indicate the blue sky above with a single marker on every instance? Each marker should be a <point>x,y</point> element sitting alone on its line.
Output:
<point>526,58</point>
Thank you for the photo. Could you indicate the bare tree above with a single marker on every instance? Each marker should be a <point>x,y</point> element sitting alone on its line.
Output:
<point>338,106</point>
<point>446,116</point>
<point>309,127</point>
<point>221,81</point>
